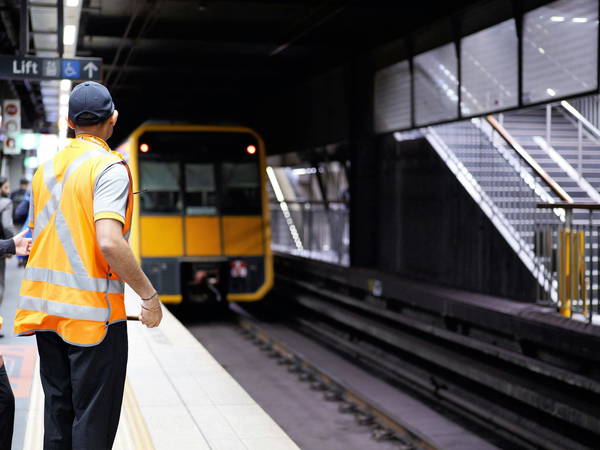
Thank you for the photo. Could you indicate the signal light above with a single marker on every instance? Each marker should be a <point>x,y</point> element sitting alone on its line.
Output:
<point>251,149</point>
<point>144,148</point>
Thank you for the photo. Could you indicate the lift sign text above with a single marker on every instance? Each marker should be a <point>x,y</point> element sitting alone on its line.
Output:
<point>33,68</point>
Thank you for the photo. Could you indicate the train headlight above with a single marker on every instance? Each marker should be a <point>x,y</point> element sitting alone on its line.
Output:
<point>238,268</point>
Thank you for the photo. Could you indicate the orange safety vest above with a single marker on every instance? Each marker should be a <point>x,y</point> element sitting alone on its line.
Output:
<point>68,286</point>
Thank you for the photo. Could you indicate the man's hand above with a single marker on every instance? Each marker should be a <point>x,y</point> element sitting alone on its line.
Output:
<point>151,314</point>
<point>22,244</point>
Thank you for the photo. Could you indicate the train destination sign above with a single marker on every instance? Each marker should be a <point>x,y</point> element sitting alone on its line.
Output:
<point>34,68</point>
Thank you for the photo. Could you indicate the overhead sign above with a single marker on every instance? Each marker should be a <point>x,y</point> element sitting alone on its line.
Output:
<point>33,68</point>
<point>11,122</point>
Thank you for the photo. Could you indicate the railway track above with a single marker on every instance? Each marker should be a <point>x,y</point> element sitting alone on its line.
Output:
<point>522,401</point>
<point>383,425</point>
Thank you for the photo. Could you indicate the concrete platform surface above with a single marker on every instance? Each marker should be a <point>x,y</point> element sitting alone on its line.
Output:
<point>177,396</point>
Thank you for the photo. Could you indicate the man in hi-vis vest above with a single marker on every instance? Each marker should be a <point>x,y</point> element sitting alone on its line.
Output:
<point>72,292</point>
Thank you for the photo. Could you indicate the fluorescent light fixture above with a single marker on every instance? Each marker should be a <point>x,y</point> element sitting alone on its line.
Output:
<point>69,34</point>
<point>551,92</point>
<point>64,98</point>
<point>284,208</point>
<point>65,85</point>
<point>579,19</point>
<point>541,50</point>
<point>73,3</point>
<point>63,124</point>
<point>304,170</point>
<point>48,147</point>
<point>557,19</point>
<point>63,111</point>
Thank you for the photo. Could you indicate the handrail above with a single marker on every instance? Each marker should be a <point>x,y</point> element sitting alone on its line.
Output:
<point>582,205</point>
<point>539,171</point>
<point>580,117</point>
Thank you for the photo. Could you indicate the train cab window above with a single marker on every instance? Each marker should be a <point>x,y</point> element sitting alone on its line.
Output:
<point>160,187</point>
<point>241,189</point>
<point>200,190</point>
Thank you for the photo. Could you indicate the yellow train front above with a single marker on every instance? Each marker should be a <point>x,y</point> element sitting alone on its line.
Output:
<point>201,224</point>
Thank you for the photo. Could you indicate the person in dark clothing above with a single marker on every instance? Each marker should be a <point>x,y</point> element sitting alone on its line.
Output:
<point>17,245</point>
<point>22,210</point>
<point>21,215</point>
<point>7,228</point>
<point>17,198</point>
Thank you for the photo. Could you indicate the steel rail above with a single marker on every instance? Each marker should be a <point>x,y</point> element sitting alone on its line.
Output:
<point>355,401</point>
<point>525,362</point>
<point>505,379</point>
<point>532,163</point>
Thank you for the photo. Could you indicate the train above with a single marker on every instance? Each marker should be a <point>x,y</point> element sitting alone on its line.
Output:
<point>201,227</point>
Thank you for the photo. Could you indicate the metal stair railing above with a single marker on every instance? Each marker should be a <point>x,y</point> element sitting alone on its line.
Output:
<point>322,229</point>
<point>526,157</point>
<point>572,254</point>
<point>582,124</point>
<point>507,183</point>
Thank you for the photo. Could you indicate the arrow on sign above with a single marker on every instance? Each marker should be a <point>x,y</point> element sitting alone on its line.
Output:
<point>90,68</point>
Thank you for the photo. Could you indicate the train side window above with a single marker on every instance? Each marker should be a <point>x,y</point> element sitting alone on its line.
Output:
<point>241,189</point>
<point>160,186</point>
<point>200,190</point>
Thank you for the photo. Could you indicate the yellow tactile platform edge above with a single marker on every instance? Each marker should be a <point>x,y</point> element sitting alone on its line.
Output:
<point>132,433</point>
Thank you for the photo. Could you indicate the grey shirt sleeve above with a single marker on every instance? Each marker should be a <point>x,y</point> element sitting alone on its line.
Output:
<point>110,193</point>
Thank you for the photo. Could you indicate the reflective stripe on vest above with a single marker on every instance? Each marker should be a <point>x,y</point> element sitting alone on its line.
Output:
<point>55,189</point>
<point>75,281</point>
<point>64,309</point>
<point>80,279</point>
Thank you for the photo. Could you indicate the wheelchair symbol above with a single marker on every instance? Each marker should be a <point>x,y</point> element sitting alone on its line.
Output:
<point>70,69</point>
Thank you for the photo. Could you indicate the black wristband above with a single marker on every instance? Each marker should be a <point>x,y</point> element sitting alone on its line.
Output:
<point>151,297</point>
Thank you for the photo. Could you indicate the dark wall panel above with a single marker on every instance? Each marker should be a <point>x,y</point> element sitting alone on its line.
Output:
<point>431,229</point>
<point>305,115</point>
<point>409,215</point>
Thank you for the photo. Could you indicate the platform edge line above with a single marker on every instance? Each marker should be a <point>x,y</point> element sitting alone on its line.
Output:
<point>140,435</point>
<point>34,430</point>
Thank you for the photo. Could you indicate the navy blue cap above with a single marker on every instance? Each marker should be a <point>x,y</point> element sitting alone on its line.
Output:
<point>90,103</point>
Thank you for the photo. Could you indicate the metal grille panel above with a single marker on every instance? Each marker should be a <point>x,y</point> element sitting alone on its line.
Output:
<point>392,98</point>
<point>560,50</point>
<point>436,85</point>
<point>489,70</point>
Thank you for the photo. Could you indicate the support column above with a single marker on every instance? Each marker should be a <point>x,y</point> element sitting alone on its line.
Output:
<point>363,167</point>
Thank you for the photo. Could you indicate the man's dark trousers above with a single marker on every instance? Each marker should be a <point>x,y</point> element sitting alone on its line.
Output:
<point>7,410</point>
<point>83,388</point>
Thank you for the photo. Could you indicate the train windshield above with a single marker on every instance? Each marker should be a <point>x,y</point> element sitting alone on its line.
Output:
<point>200,190</point>
<point>160,187</point>
<point>199,174</point>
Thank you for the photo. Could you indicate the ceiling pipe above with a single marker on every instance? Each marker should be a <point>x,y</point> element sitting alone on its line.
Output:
<point>136,11</point>
<point>148,22</point>
<point>312,26</point>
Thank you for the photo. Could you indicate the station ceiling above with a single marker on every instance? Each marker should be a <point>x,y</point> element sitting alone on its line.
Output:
<point>213,60</point>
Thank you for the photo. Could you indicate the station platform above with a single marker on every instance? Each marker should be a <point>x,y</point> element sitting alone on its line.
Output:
<point>177,396</point>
